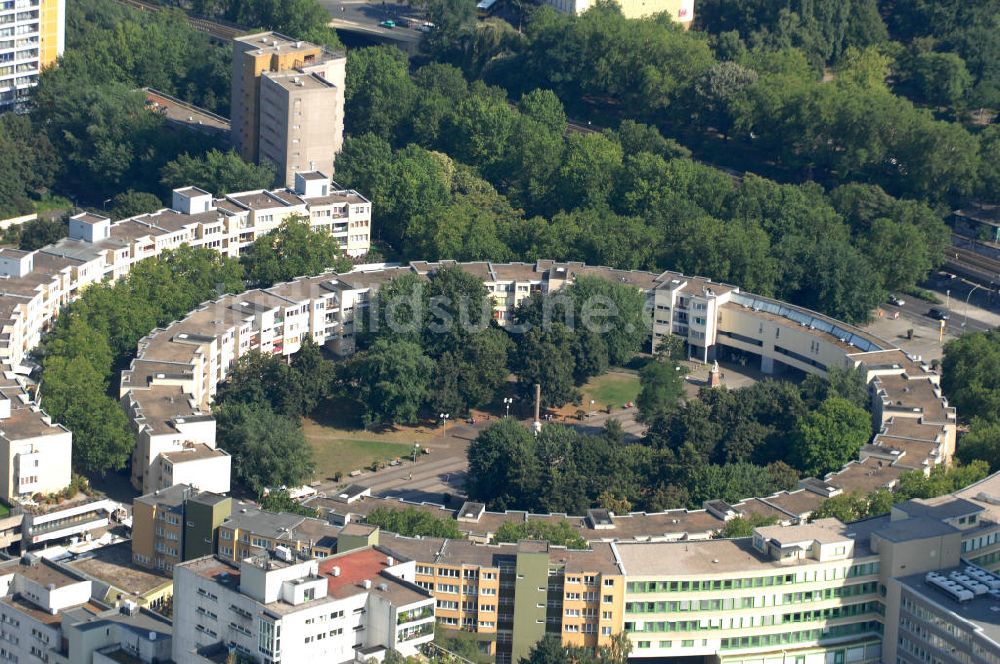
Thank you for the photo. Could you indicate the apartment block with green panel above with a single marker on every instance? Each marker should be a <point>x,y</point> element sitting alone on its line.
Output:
<point>809,593</point>
<point>356,536</point>
<point>203,514</point>
<point>531,590</point>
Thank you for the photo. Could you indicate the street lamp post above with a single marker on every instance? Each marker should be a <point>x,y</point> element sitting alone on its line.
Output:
<point>507,401</point>
<point>444,423</point>
<point>416,448</point>
<point>947,301</point>
<point>590,411</point>
<point>966,320</point>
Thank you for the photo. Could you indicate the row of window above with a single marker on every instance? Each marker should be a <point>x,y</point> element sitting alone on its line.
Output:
<point>808,576</point>
<point>750,602</point>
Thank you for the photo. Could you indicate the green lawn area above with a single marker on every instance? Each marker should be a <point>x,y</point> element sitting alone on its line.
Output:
<point>50,203</point>
<point>334,453</point>
<point>4,510</point>
<point>611,389</point>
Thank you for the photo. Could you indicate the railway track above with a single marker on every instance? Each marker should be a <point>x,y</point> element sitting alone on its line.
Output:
<point>982,268</point>
<point>214,29</point>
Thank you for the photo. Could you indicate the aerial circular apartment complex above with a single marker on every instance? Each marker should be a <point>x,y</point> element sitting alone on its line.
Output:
<point>823,591</point>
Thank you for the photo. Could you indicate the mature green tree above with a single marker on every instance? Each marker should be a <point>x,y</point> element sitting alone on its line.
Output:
<point>294,249</point>
<point>743,526</point>
<point>545,357</point>
<point>107,138</point>
<point>548,650</point>
<point>971,374</point>
<point>716,91</point>
<point>38,233</point>
<point>559,533</point>
<point>216,172</point>
<point>832,435</point>
<point>981,442</point>
<point>413,522</point>
<point>662,388</point>
<point>989,172</point>
<point>481,129</point>
<point>397,311</point>
<point>615,311</point>
<point>74,393</point>
<point>269,450</point>
<point>279,501</point>
<point>503,468</point>
<point>849,384</point>
<point>850,507</point>
<point>636,137</point>
<point>470,377</point>
<point>379,93</point>
<point>266,380</point>
<point>392,379</point>
<point>942,480</point>
<point>451,18</point>
<point>544,107</point>
<point>588,171</point>
<point>940,79</point>
<point>30,163</point>
<point>133,203</point>
<point>731,482</point>
<point>458,308</point>
<point>313,373</point>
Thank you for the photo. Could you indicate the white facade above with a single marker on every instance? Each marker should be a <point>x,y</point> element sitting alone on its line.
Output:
<point>32,36</point>
<point>299,611</point>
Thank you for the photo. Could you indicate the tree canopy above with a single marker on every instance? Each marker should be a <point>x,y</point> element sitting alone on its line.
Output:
<point>268,450</point>
<point>293,249</point>
<point>413,522</point>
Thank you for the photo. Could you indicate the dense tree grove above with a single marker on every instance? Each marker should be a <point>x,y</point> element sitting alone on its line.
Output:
<point>303,19</point>
<point>89,135</point>
<point>265,392</point>
<point>456,172</point>
<point>216,172</point>
<point>293,249</point>
<point>727,444</point>
<point>971,381</point>
<point>431,346</point>
<point>97,336</point>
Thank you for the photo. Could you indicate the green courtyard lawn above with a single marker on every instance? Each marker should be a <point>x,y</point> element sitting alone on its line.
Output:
<point>611,389</point>
<point>344,450</point>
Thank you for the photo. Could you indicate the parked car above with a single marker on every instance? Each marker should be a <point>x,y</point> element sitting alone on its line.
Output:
<point>896,300</point>
<point>939,314</point>
<point>388,23</point>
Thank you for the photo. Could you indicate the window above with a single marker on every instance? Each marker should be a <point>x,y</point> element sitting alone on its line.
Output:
<point>608,599</point>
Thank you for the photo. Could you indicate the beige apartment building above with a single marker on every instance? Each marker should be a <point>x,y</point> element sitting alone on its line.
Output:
<point>287,103</point>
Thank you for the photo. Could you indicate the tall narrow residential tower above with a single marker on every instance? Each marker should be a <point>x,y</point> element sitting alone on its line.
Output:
<point>32,37</point>
<point>287,103</point>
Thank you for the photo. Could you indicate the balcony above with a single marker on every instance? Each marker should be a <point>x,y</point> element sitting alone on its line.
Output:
<point>414,615</point>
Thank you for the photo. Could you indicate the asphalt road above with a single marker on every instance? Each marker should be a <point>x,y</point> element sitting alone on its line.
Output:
<point>363,16</point>
<point>916,310</point>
